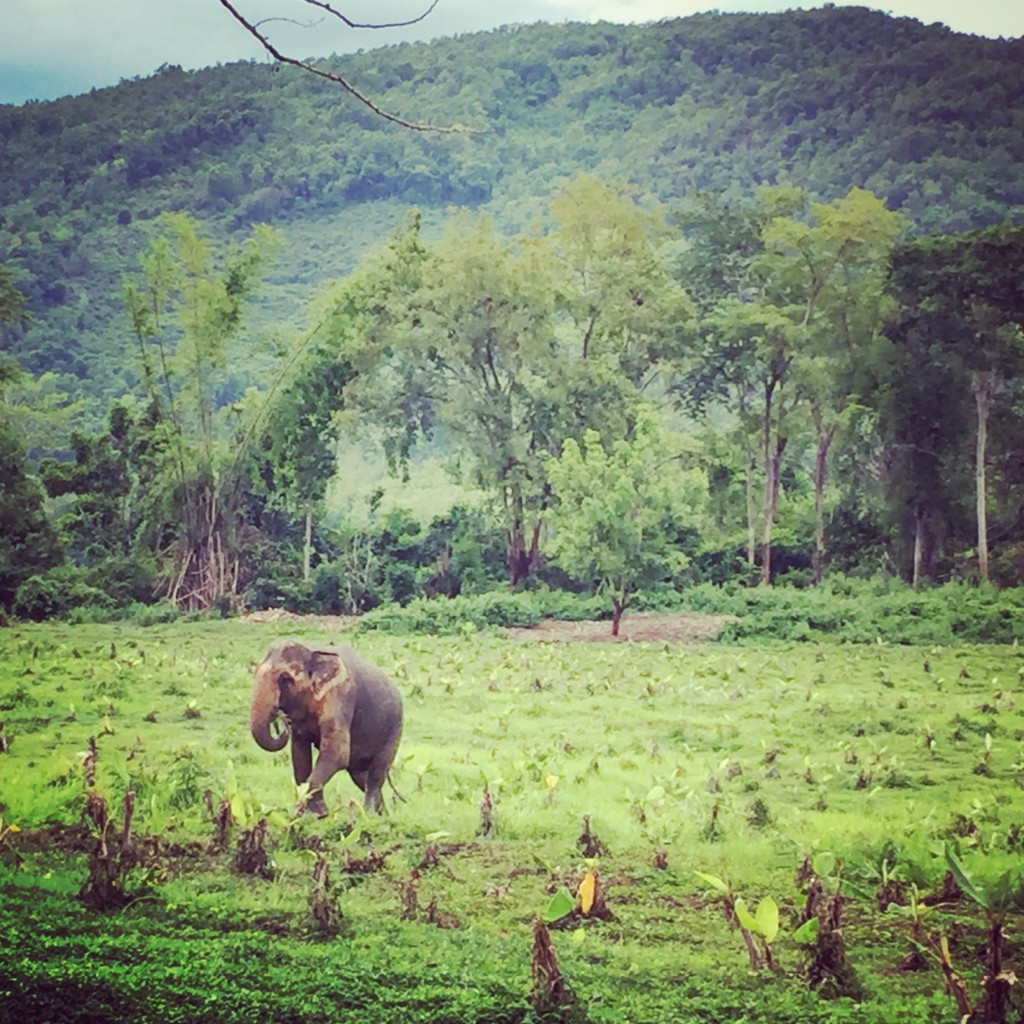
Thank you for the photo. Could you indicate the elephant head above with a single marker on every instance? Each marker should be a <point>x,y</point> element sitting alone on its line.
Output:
<point>291,674</point>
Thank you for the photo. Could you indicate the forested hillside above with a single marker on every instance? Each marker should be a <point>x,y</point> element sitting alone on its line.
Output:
<point>930,121</point>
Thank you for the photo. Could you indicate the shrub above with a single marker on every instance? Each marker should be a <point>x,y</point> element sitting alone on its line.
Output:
<point>153,614</point>
<point>125,580</point>
<point>55,593</point>
<point>865,611</point>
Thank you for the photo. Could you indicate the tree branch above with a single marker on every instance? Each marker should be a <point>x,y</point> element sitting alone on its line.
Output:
<point>355,24</point>
<point>281,58</point>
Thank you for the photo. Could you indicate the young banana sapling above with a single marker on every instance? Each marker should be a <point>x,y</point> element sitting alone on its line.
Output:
<point>759,929</point>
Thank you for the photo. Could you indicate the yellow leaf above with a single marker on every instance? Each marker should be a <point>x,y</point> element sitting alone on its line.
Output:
<point>552,781</point>
<point>587,891</point>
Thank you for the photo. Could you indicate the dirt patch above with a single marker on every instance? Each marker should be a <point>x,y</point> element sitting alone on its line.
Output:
<point>328,623</point>
<point>644,627</point>
<point>647,627</point>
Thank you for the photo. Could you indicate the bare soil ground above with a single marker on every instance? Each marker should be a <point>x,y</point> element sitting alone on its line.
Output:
<point>644,627</point>
<point>328,623</point>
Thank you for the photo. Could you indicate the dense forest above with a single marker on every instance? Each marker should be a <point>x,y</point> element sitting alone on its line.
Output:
<point>767,261</point>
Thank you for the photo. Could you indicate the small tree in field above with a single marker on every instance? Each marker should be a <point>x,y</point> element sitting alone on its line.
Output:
<point>619,514</point>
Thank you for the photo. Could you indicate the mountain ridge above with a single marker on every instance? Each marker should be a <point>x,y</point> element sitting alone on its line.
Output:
<point>929,119</point>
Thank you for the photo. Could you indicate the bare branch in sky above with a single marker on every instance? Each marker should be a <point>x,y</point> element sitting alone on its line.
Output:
<point>253,29</point>
<point>355,24</point>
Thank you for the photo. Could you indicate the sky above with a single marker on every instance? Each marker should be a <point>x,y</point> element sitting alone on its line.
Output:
<point>52,48</point>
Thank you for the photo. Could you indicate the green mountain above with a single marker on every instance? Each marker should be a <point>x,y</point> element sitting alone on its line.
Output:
<point>931,120</point>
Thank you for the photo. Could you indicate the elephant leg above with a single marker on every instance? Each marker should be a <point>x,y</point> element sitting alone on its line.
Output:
<point>375,775</point>
<point>302,766</point>
<point>302,759</point>
<point>334,755</point>
<point>374,799</point>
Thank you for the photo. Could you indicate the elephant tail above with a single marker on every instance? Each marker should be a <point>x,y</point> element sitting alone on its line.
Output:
<point>395,790</point>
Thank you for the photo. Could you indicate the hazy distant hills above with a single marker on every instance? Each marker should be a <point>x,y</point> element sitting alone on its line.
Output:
<point>931,120</point>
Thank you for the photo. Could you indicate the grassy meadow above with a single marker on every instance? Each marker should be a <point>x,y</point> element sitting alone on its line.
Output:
<point>735,761</point>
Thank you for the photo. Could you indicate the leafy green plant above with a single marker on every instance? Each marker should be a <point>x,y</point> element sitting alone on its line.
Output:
<point>186,780</point>
<point>916,912</point>
<point>762,924</point>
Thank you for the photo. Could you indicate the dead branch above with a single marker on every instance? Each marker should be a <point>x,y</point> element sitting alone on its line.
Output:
<point>355,24</point>
<point>253,30</point>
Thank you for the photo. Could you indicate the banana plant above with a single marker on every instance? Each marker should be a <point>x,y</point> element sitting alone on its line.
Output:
<point>915,913</point>
<point>996,897</point>
<point>762,923</point>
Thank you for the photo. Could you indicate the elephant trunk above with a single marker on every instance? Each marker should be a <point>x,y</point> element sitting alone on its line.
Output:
<point>265,697</point>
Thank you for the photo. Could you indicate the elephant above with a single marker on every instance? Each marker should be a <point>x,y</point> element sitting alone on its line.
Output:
<point>332,700</point>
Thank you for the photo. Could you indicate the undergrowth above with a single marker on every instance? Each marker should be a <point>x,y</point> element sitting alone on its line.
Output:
<point>842,609</point>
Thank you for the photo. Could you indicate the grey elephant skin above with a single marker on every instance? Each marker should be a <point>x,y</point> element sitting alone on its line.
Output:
<point>332,700</point>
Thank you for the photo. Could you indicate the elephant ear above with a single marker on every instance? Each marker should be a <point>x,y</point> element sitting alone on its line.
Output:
<point>326,671</point>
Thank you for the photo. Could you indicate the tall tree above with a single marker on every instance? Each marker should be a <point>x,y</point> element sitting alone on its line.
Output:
<point>922,420</point>
<point>791,298</point>
<point>826,270</point>
<point>481,350</point>
<point>109,511</point>
<point>297,450</point>
<point>743,348</point>
<point>767,341</point>
<point>619,513</point>
<point>618,303</point>
<point>183,310</point>
<point>962,306</point>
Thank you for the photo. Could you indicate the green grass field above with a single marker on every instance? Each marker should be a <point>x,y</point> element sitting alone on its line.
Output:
<point>734,761</point>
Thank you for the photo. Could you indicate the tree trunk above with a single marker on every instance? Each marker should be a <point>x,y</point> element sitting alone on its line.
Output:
<point>996,1000</point>
<point>918,547</point>
<point>984,388</point>
<point>205,558</point>
<point>769,507</point>
<point>820,469</point>
<point>519,558</point>
<point>751,511</point>
<point>307,548</point>
<point>773,462</point>
<point>618,607</point>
